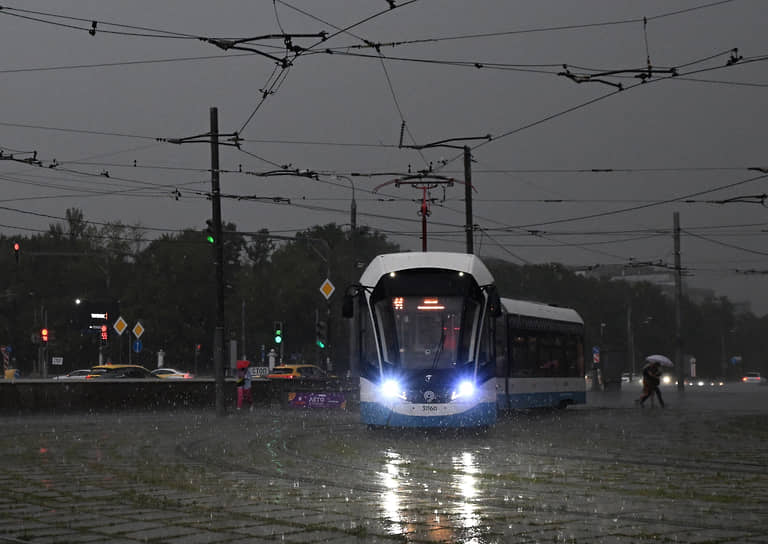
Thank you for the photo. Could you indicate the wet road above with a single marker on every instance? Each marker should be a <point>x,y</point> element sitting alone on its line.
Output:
<point>605,472</point>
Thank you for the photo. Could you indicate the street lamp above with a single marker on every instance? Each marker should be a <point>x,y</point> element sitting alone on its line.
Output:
<point>353,204</point>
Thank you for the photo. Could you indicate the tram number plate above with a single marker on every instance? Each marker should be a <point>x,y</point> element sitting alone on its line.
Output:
<point>429,408</point>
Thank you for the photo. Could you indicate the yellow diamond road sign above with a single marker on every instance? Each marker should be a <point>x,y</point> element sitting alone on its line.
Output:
<point>327,289</point>
<point>120,325</point>
<point>138,329</point>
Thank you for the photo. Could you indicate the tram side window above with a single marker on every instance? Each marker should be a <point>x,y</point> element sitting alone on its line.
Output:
<point>523,360</point>
<point>574,353</point>
<point>551,359</point>
<point>487,343</point>
<point>469,321</point>
<point>368,343</point>
<point>502,369</point>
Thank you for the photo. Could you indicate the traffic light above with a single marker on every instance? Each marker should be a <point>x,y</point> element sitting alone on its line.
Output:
<point>321,334</point>
<point>104,332</point>
<point>16,251</point>
<point>44,335</point>
<point>278,332</point>
<point>209,232</point>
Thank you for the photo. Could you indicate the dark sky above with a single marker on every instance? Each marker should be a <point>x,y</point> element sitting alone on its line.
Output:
<point>96,104</point>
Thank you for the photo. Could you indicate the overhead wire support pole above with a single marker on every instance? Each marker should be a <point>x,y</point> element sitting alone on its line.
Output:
<point>218,335</point>
<point>468,199</point>
<point>233,140</point>
<point>678,304</point>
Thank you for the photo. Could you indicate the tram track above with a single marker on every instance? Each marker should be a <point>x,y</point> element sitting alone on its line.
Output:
<point>540,471</point>
<point>357,475</point>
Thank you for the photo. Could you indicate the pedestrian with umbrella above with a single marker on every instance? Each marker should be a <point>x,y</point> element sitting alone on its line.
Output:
<point>243,384</point>
<point>652,377</point>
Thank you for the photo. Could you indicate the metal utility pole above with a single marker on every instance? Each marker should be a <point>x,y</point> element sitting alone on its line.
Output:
<point>212,138</point>
<point>678,304</point>
<point>218,251</point>
<point>630,340</point>
<point>468,199</point>
<point>243,350</point>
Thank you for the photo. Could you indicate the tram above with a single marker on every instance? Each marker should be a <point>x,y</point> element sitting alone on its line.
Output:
<point>539,356</point>
<point>425,332</point>
<point>438,347</point>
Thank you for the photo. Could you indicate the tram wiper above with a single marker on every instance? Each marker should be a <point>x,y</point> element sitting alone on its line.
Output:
<point>439,350</point>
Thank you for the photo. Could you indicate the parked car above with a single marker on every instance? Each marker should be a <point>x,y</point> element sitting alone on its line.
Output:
<point>171,374</point>
<point>298,371</point>
<point>80,374</point>
<point>111,372</point>
<point>752,377</point>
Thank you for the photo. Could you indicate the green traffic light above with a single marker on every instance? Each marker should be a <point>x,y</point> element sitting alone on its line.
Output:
<point>278,339</point>
<point>210,239</point>
<point>320,344</point>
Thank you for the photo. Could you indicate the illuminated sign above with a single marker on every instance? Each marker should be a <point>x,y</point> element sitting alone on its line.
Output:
<point>431,304</point>
<point>398,303</point>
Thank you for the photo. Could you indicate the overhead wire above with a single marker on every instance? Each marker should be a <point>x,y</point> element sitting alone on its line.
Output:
<point>124,63</point>
<point>559,28</point>
<point>724,244</point>
<point>277,82</point>
<point>679,11</point>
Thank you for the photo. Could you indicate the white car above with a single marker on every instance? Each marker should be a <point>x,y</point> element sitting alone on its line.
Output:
<point>171,374</point>
<point>752,377</point>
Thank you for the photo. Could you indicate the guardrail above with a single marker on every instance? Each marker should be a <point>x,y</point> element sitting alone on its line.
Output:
<point>51,396</point>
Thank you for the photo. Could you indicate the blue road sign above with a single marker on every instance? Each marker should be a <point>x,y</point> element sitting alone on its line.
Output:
<point>137,346</point>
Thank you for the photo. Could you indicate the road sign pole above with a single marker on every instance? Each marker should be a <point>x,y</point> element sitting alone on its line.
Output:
<point>595,368</point>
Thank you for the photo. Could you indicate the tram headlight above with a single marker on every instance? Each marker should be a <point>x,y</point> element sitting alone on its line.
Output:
<point>464,390</point>
<point>392,389</point>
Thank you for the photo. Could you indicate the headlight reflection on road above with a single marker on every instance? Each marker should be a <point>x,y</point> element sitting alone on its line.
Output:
<point>390,500</point>
<point>465,482</point>
<point>454,518</point>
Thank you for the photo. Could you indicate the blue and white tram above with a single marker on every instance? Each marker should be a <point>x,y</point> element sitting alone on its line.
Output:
<point>539,356</point>
<point>425,328</point>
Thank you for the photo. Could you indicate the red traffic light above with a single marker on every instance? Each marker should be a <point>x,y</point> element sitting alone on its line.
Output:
<point>16,246</point>
<point>44,334</point>
<point>16,251</point>
<point>103,332</point>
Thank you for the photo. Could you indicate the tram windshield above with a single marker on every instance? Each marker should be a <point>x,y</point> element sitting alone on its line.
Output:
<point>427,332</point>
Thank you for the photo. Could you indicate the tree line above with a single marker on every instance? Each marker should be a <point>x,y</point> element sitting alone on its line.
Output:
<point>168,285</point>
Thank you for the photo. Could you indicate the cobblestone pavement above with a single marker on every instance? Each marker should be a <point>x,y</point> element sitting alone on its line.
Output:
<point>605,472</point>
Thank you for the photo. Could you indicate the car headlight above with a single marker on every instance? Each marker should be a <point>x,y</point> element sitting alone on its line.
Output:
<point>465,389</point>
<point>391,389</point>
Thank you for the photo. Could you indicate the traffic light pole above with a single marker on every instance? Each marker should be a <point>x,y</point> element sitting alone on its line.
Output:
<point>218,248</point>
